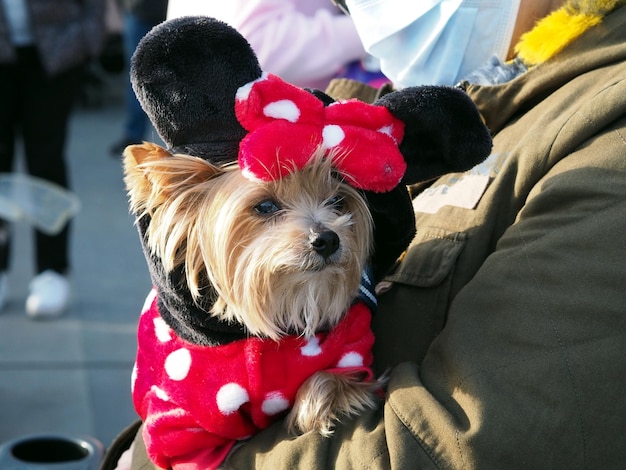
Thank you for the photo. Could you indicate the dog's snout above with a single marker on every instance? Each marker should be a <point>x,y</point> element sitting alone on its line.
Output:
<point>325,243</point>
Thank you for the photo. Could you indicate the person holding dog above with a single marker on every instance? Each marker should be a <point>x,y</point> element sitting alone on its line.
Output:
<point>139,17</point>
<point>502,327</point>
<point>43,48</point>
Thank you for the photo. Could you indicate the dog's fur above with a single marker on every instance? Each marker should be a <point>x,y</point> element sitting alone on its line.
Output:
<point>262,247</point>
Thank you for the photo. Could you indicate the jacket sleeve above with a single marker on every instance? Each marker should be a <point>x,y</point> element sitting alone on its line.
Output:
<point>529,370</point>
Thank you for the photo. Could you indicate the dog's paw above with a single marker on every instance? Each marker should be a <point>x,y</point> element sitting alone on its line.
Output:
<point>325,398</point>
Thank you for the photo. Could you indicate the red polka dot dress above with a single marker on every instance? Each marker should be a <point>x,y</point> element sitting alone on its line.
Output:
<point>198,401</point>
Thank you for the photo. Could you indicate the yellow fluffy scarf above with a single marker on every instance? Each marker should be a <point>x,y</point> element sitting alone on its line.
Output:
<point>557,30</point>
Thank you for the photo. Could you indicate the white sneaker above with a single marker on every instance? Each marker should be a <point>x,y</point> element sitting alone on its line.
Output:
<point>49,295</point>
<point>4,289</point>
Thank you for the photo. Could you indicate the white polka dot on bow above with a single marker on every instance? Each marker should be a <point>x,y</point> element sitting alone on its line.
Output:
<point>282,109</point>
<point>244,91</point>
<point>332,135</point>
<point>388,130</point>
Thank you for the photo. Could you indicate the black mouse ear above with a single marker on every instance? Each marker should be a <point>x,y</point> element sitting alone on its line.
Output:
<point>185,73</point>
<point>444,132</point>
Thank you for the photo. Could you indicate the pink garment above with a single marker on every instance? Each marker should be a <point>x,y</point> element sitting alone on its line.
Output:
<point>197,401</point>
<point>306,42</point>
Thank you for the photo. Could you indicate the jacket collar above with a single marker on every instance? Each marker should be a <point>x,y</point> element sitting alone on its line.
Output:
<point>596,47</point>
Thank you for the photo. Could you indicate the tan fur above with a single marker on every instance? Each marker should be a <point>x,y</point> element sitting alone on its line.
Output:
<point>327,397</point>
<point>263,268</point>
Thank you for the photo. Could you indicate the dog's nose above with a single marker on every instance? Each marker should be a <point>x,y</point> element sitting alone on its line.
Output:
<point>325,243</point>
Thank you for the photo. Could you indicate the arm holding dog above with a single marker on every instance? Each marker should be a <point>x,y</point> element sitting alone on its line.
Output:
<point>503,319</point>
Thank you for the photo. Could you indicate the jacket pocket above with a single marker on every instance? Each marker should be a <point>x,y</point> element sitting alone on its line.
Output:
<point>430,257</point>
<point>414,299</point>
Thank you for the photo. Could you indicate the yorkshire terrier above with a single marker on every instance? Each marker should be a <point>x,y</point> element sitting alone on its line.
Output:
<point>285,257</point>
<point>262,225</point>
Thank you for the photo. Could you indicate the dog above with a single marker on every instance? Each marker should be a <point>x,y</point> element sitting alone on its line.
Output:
<point>265,224</point>
<point>285,258</point>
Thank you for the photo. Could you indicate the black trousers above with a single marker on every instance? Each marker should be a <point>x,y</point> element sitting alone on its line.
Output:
<point>37,108</point>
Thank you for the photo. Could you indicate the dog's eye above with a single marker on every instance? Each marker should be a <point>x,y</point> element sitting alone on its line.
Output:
<point>336,201</point>
<point>266,207</point>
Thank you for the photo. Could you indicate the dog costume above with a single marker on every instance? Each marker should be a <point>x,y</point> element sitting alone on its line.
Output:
<point>201,85</point>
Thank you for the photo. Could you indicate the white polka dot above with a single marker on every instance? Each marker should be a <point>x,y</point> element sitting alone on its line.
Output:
<point>282,109</point>
<point>332,135</point>
<point>311,348</point>
<point>148,302</point>
<point>133,378</point>
<point>177,364</point>
<point>161,330</point>
<point>249,174</point>
<point>387,130</point>
<point>351,359</point>
<point>244,91</point>
<point>160,393</point>
<point>230,397</point>
<point>274,403</point>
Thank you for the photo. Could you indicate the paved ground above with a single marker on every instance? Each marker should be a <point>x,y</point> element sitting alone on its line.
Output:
<point>72,375</point>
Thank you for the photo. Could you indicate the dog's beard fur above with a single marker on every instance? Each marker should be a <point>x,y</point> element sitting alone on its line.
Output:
<point>262,265</point>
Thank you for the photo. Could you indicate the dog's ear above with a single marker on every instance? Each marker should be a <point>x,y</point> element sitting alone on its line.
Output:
<point>443,133</point>
<point>135,155</point>
<point>185,73</point>
<point>138,183</point>
<point>152,174</point>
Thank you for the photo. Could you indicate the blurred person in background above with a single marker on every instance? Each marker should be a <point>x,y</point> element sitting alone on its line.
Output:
<point>43,48</point>
<point>306,42</point>
<point>139,17</point>
<point>437,42</point>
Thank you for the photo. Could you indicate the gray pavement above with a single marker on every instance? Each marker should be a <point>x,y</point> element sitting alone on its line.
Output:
<point>72,375</point>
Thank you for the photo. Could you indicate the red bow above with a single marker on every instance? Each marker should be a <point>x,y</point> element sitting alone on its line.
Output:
<point>286,124</point>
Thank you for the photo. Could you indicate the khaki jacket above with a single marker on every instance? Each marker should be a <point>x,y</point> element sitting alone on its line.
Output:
<point>504,326</point>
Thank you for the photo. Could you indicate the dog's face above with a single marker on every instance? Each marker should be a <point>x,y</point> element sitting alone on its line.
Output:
<point>285,257</point>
